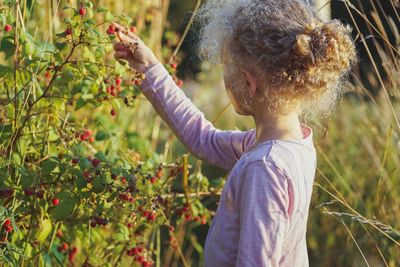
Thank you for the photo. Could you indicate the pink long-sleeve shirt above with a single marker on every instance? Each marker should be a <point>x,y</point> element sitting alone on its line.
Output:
<point>262,215</point>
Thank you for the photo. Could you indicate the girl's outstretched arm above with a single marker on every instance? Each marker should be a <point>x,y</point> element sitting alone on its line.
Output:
<point>202,139</point>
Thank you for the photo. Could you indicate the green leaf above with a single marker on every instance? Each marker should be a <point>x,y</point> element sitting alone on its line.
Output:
<point>44,230</point>
<point>81,182</point>
<point>87,54</point>
<point>101,9</point>
<point>100,155</point>
<point>102,135</point>
<point>109,17</point>
<point>61,45</point>
<point>49,165</point>
<point>7,46</point>
<point>98,184</point>
<point>80,104</point>
<point>66,207</point>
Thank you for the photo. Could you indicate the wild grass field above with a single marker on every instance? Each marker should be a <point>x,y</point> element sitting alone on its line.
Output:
<point>354,215</point>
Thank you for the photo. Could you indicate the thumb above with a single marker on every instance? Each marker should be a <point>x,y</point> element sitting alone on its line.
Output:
<point>124,38</point>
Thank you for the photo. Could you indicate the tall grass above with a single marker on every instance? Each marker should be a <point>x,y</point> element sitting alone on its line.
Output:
<point>354,216</point>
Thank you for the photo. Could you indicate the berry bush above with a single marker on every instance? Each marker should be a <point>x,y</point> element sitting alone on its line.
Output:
<point>74,190</point>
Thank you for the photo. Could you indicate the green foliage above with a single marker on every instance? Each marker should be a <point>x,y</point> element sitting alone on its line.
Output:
<point>71,181</point>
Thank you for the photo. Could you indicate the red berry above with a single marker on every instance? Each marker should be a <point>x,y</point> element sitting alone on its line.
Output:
<point>29,192</point>
<point>39,194</point>
<point>68,31</point>
<point>82,11</point>
<point>75,161</point>
<point>174,65</point>
<point>133,29</point>
<point>7,222</point>
<point>65,246</point>
<point>118,81</point>
<point>55,201</point>
<point>140,258</point>
<point>113,112</point>
<point>60,249</point>
<point>196,219</point>
<point>185,208</point>
<point>71,257</point>
<point>84,137</point>
<point>8,28</point>
<point>123,180</point>
<point>147,264</point>
<point>96,162</point>
<point>188,217</point>
<point>93,224</point>
<point>171,229</point>
<point>8,228</point>
<point>59,233</point>
<point>91,139</point>
<point>74,250</point>
<point>88,132</point>
<point>113,92</point>
<point>159,173</point>
<point>179,83</point>
<point>86,174</point>
<point>153,179</point>
<point>111,29</point>
<point>151,216</point>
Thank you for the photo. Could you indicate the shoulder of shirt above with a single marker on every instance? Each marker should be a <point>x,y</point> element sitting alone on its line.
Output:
<point>273,154</point>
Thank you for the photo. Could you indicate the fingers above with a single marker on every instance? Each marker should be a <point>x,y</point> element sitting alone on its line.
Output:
<point>120,46</point>
<point>121,54</point>
<point>121,29</point>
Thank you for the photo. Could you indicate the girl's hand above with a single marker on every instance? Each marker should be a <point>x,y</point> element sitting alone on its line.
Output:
<point>141,58</point>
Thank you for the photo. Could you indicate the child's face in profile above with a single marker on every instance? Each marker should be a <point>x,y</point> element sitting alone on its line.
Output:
<point>235,89</point>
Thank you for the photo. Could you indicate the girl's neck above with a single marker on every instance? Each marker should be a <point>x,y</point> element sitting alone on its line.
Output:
<point>283,127</point>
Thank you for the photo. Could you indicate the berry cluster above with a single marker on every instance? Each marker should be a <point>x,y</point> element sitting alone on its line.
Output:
<point>86,135</point>
<point>187,213</point>
<point>7,225</point>
<point>97,220</point>
<point>65,248</point>
<point>34,191</point>
<point>150,215</point>
<point>8,192</point>
<point>140,256</point>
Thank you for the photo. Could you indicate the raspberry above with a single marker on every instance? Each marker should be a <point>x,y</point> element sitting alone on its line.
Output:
<point>96,162</point>
<point>68,31</point>
<point>7,222</point>
<point>133,29</point>
<point>55,201</point>
<point>82,11</point>
<point>111,30</point>
<point>8,28</point>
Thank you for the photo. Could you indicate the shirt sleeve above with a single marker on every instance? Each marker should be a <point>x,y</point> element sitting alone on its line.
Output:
<point>262,202</point>
<point>201,138</point>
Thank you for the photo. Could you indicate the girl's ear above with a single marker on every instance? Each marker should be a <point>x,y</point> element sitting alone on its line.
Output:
<point>252,82</point>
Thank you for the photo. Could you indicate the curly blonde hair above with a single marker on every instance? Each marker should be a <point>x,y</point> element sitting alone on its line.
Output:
<point>297,55</point>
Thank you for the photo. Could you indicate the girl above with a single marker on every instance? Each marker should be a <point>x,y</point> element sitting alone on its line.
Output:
<point>279,61</point>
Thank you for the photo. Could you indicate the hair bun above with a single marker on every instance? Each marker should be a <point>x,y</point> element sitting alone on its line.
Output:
<point>325,43</point>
